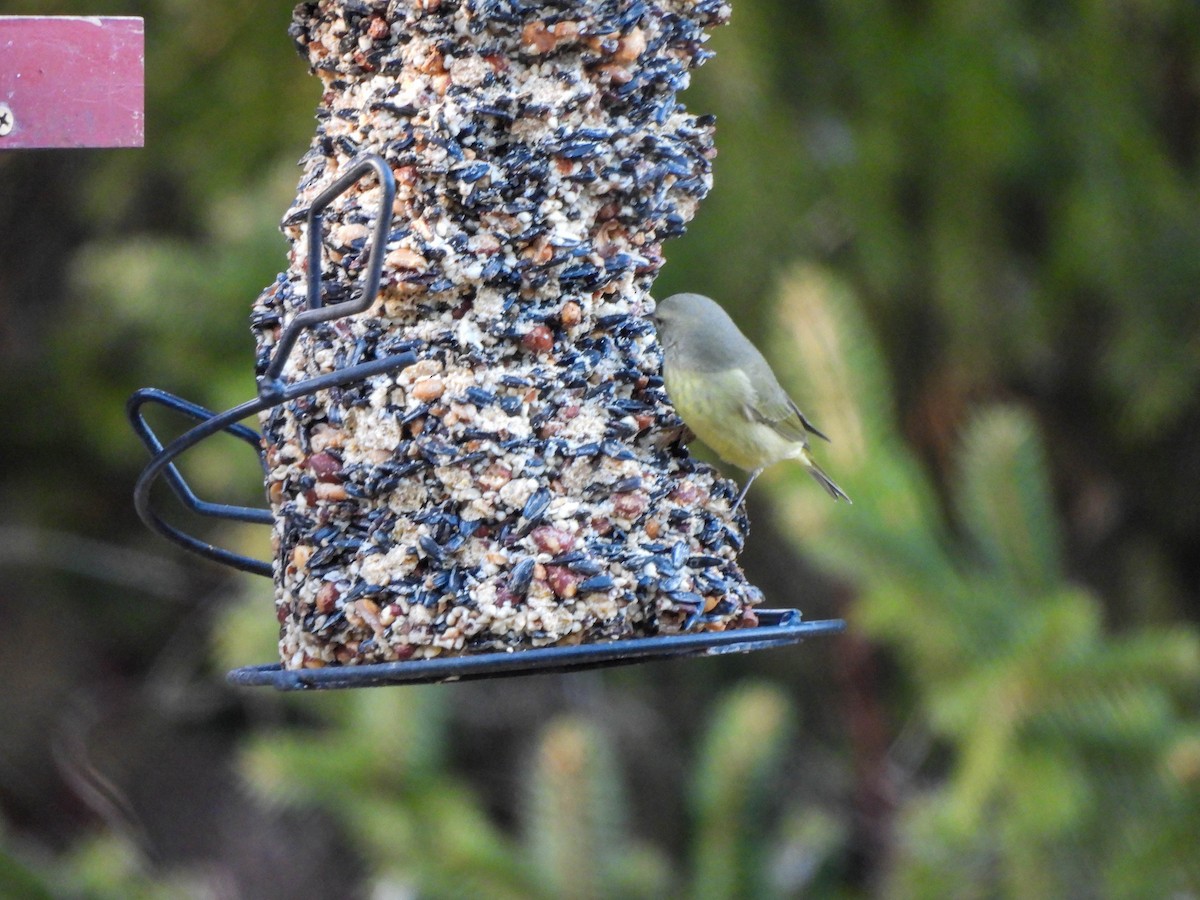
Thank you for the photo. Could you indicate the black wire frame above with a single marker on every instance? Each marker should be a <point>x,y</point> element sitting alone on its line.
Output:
<point>272,390</point>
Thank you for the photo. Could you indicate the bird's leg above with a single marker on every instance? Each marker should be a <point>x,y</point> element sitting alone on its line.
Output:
<point>742,495</point>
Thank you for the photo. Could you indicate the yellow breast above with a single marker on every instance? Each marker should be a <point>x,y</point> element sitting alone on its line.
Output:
<point>713,405</point>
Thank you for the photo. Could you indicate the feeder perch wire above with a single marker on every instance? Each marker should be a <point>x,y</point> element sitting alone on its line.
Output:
<point>271,389</point>
<point>778,627</point>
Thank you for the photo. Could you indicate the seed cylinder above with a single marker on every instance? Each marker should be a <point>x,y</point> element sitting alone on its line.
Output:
<point>524,483</point>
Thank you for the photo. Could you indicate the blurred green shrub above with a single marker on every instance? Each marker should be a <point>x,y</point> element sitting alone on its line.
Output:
<point>377,763</point>
<point>1065,742</point>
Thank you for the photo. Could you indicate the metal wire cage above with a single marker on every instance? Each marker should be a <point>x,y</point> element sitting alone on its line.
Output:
<point>777,627</point>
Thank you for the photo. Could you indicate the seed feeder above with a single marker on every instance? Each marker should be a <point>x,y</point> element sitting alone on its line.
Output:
<point>472,469</point>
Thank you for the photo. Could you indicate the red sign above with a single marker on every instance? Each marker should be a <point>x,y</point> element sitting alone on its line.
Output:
<point>71,81</point>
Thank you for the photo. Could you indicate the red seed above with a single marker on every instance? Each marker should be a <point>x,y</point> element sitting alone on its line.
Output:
<point>562,581</point>
<point>378,28</point>
<point>629,505</point>
<point>325,466</point>
<point>327,597</point>
<point>538,339</point>
<point>495,477</point>
<point>553,540</point>
<point>687,493</point>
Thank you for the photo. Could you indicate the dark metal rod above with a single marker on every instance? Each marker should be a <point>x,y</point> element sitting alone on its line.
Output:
<point>164,457</point>
<point>270,384</point>
<point>778,628</point>
<point>271,389</point>
<point>178,484</point>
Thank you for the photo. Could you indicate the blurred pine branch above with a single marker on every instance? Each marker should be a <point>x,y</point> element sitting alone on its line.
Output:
<point>734,791</point>
<point>1059,733</point>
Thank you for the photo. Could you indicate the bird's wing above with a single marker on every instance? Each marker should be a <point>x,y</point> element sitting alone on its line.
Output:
<point>772,406</point>
<point>808,426</point>
<point>782,418</point>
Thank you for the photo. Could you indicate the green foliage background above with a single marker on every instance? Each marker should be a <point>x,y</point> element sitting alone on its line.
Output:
<point>967,234</point>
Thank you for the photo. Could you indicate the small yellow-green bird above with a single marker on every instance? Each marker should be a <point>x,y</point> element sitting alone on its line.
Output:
<point>727,394</point>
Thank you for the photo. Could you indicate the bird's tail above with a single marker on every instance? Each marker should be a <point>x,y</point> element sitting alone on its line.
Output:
<point>824,480</point>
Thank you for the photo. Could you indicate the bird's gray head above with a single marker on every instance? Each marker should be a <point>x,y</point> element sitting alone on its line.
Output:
<point>695,325</point>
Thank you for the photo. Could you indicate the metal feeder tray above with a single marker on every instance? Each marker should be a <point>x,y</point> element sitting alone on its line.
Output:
<point>779,627</point>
